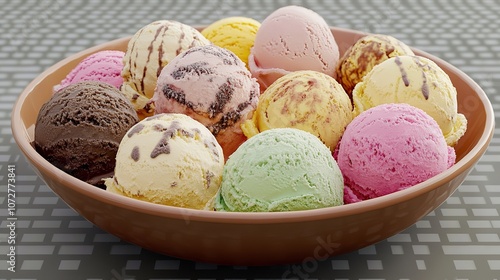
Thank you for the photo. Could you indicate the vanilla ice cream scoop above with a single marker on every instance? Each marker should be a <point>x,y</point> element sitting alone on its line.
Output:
<point>168,159</point>
<point>417,81</point>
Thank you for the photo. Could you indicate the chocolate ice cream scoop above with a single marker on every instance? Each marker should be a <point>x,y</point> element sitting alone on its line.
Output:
<point>79,129</point>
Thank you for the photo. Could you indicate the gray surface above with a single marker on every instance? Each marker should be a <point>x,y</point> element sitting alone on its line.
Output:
<point>460,240</point>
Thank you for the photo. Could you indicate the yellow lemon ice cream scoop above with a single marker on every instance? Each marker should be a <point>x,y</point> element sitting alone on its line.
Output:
<point>236,34</point>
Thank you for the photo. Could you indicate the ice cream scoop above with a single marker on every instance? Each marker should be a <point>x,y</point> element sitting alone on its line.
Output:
<point>236,34</point>
<point>148,51</point>
<point>388,148</point>
<point>281,169</point>
<point>213,86</point>
<point>367,52</point>
<point>79,129</point>
<point>168,159</point>
<point>417,81</point>
<point>307,100</point>
<point>105,66</point>
<point>292,38</point>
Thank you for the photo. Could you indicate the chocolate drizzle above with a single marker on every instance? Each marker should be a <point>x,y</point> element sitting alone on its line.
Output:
<point>425,84</point>
<point>160,53</point>
<point>406,81</point>
<point>134,65</point>
<point>181,37</point>
<point>150,51</point>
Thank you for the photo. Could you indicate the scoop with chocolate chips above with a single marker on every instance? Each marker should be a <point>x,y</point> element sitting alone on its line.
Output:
<point>168,159</point>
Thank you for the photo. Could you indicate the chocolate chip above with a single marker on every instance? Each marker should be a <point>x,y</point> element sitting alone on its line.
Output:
<point>135,153</point>
<point>136,129</point>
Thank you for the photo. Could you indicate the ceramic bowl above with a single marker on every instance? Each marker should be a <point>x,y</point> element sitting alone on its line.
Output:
<point>255,238</point>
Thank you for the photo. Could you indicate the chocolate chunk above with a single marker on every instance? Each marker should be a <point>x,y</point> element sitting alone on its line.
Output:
<point>162,147</point>
<point>135,153</point>
<point>136,129</point>
<point>213,148</point>
<point>208,178</point>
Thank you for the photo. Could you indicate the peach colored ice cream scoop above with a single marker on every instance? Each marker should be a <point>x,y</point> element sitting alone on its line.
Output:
<point>292,38</point>
<point>213,86</point>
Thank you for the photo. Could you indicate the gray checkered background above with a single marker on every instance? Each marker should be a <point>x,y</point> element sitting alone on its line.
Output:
<point>460,240</point>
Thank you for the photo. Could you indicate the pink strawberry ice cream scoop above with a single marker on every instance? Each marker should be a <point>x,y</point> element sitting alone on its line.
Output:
<point>292,38</point>
<point>388,148</point>
<point>213,86</point>
<point>103,66</point>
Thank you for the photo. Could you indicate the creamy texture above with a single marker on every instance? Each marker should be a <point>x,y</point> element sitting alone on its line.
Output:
<point>236,34</point>
<point>282,169</point>
<point>417,81</point>
<point>292,38</point>
<point>307,100</point>
<point>103,66</point>
<point>213,86</point>
<point>79,129</point>
<point>148,51</point>
<point>388,148</point>
<point>367,52</point>
<point>168,159</point>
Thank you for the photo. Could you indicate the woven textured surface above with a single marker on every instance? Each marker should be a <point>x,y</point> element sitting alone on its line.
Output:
<point>460,240</point>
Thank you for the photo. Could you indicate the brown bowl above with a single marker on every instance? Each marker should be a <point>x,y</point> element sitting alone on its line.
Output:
<point>255,238</point>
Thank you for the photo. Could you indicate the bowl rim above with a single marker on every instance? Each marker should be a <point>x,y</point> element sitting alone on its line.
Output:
<point>20,134</point>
